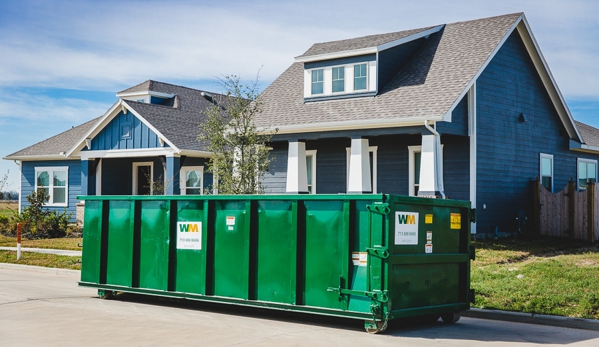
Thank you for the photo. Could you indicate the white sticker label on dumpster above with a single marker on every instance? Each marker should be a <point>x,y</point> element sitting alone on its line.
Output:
<point>189,235</point>
<point>406,228</point>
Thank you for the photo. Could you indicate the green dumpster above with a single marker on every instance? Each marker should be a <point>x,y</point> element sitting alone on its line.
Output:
<point>372,257</point>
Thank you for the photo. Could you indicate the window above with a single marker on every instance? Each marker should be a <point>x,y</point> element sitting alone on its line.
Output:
<point>318,81</point>
<point>143,178</point>
<point>126,131</point>
<point>311,170</point>
<point>360,76</point>
<point>546,171</point>
<point>192,182</point>
<point>338,79</point>
<point>53,181</point>
<point>587,172</point>
<point>372,153</point>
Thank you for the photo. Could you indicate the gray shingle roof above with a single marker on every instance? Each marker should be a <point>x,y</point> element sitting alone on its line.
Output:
<point>590,135</point>
<point>62,142</point>
<point>427,86</point>
<point>178,124</point>
<point>359,42</point>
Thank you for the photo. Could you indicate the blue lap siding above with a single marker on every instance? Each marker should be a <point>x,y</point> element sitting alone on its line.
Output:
<point>507,149</point>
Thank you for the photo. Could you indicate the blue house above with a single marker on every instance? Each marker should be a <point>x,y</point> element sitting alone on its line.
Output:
<point>465,110</point>
<point>147,140</point>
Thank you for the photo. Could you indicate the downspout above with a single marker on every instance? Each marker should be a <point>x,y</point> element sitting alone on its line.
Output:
<point>438,162</point>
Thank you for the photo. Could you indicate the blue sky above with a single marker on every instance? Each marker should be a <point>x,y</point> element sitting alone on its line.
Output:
<point>61,62</point>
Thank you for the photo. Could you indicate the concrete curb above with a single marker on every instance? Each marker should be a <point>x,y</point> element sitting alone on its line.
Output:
<point>531,318</point>
<point>44,250</point>
<point>32,268</point>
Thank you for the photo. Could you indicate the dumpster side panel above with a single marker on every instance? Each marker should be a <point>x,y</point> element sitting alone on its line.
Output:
<point>119,262</point>
<point>276,251</point>
<point>92,242</point>
<point>231,249</point>
<point>360,241</point>
<point>154,250</point>
<point>191,263</point>
<point>327,252</point>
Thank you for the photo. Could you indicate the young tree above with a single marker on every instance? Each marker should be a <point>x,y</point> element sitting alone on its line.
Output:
<point>3,184</point>
<point>240,152</point>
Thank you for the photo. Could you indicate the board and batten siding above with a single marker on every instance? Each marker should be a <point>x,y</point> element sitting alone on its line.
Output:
<point>112,137</point>
<point>74,182</point>
<point>507,148</point>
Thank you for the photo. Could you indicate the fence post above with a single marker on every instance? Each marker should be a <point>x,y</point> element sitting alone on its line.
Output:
<point>591,212</point>
<point>537,206</point>
<point>18,241</point>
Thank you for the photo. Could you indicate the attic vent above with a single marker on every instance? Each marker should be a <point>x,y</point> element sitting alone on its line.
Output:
<point>206,95</point>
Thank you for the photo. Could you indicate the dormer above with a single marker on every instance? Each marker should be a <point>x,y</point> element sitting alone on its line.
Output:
<point>358,67</point>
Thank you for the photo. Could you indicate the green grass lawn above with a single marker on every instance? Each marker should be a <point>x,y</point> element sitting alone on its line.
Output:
<point>6,207</point>
<point>40,259</point>
<point>60,243</point>
<point>537,275</point>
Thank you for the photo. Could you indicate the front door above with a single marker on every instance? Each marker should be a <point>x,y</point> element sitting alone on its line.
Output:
<point>142,178</point>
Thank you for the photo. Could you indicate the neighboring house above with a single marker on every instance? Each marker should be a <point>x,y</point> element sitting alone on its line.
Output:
<point>150,133</point>
<point>466,110</point>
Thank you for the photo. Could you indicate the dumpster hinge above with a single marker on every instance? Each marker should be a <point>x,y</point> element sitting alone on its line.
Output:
<point>379,208</point>
<point>378,251</point>
<point>377,295</point>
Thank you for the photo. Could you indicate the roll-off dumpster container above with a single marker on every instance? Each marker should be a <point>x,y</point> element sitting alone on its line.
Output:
<point>373,257</point>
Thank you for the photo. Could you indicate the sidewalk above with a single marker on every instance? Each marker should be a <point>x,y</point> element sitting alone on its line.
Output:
<point>44,250</point>
<point>531,318</point>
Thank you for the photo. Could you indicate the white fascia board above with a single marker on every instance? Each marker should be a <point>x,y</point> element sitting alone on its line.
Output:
<point>368,50</point>
<point>96,128</point>
<point>447,115</point>
<point>146,92</point>
<point>585,148</point>
<point>354,125</point>
<point>547,77</point>
<point>195,154</point>
<point>38,157</point>
<point>410,38</point>
<point>128,153</point>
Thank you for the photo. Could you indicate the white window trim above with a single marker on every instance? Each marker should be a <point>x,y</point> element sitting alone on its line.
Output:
<point>183,181</point>
<point>584,160</point>
<point>371,149</point>
<point>312,153</point>
<point>412,150</point>
<point>50,190</point>
<point>135,166</point>
<point>371,71</point>
<point>549,156</point>
<point>99,178</point>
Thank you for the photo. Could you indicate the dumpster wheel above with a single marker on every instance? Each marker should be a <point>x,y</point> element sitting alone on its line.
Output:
<point>375,327</point>
<point>106,294</point>
<point>450,317</point>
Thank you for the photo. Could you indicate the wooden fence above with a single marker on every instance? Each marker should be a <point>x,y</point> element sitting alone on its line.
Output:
<point>569,213</point>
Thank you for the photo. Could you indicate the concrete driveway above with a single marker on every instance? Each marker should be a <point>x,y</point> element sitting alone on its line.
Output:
<point>47,308</point>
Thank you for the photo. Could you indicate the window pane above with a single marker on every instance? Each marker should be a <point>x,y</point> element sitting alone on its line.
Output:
<point>193,179</point>
<point>338,79</point>
<point>43,179</point>
<point>317,81</point>
<point>194,191</point>
<point>546,166</point>
<point>360,76</point>
<point>546,182</point>
<point>309,169</point>
<point>60,196</point>
<point>60,178</point>
<point>417,156</point>
<point>592,172</point>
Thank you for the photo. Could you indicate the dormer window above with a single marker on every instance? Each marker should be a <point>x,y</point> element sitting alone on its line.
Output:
<point>360,76</point>
<point>339,79</point>
<point>318,81</point>
<point>328,80</point>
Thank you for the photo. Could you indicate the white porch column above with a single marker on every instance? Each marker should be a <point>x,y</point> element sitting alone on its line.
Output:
<point>431,166</point>
<point>297,173</point>
<point>359,167</point>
